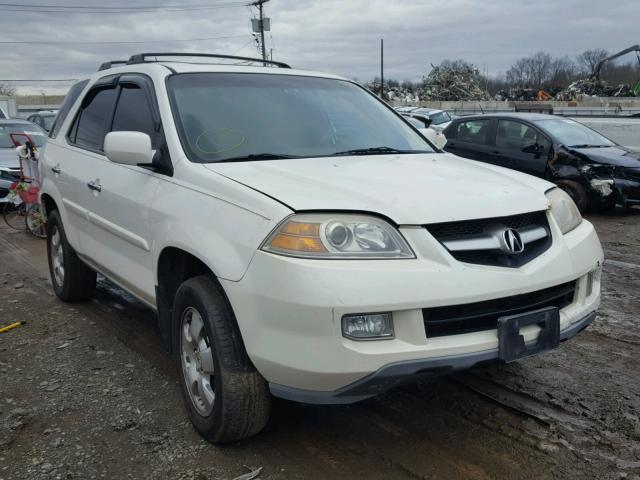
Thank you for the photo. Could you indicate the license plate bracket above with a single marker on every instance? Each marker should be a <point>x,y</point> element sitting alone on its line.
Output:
<point>511,344</point>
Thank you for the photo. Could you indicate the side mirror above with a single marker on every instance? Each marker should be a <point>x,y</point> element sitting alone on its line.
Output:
<point>128,148</point>
<point>534,148</point>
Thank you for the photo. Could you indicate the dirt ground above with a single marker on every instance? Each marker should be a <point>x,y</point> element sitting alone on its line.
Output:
<point>87,392</point>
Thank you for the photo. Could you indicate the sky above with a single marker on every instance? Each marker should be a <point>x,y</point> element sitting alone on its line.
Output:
<point>336,36</point>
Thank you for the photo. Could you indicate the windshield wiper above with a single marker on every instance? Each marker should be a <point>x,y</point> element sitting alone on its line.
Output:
<point>376,151</point>
<point>587,145</point>
<point>258,156</point>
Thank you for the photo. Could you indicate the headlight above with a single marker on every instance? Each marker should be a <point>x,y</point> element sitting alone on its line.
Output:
<point>337,236</point>
<point>564,210</point>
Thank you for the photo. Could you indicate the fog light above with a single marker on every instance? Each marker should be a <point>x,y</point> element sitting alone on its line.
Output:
<point>372,326</point>
<point>592,278</point>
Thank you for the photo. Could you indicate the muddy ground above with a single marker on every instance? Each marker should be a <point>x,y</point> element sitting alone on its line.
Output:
<point>87,392</point>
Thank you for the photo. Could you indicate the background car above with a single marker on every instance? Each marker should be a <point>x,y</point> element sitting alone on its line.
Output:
<point>430,117</point>
<point>9,163</point>
<point>434,136</point>
<point>43,119</point>
<point>595,171</point>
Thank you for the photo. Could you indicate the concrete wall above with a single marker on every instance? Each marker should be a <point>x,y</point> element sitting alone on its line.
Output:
<point>587,106</point>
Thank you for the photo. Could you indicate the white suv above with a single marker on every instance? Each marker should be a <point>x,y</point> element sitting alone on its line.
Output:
<point>299,238</point>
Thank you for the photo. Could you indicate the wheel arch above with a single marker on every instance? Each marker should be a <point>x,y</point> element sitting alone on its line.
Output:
<point>175,265</point>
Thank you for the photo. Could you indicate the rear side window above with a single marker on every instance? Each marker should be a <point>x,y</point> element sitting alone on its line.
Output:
<point>133,113</point>
<point>93,120</point>
<point>69,100</point>
<point>473,131</point>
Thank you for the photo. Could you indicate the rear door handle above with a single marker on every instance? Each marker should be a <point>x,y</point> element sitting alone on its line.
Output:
<point>56,169</point>
<point>95,186</point>
<point>496,153</point>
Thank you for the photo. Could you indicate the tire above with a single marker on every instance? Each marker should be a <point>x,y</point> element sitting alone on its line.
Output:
<point>577,192</point>
<point>241,400</point>
<point>76,281</point>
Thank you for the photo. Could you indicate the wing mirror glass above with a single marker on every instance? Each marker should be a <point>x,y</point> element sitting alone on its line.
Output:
<point>533,148</point>
<point>128,148</point>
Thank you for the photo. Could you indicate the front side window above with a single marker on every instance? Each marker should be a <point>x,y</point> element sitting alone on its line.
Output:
<point>516,135</point>
<point>93,120</point>
<point>133,113</point>
<point>233,117</point>
<point>473,131</point>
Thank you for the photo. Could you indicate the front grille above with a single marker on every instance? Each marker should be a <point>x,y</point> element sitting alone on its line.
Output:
<point>470,228</point>
<point>479,316</point>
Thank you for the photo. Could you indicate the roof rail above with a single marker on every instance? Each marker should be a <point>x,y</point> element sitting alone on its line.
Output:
<point>141,58</point>
<point>108,65</point>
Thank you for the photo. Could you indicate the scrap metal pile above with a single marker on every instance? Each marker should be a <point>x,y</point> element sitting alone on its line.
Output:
<point>594,88</point>
<point>453,83</point>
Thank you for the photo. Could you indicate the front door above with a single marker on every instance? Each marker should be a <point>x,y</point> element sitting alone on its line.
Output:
<point>121,205</point>
<point>522,147</point>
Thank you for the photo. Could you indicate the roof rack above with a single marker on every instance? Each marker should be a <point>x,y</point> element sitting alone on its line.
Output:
<point>108,65</point>
<point>141,58</point>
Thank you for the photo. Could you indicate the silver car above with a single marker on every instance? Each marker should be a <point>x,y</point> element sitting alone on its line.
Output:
<point>9,163</point>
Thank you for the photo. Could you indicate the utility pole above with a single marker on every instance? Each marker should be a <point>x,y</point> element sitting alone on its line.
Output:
<point>382,69</point>
<point>259,3</point>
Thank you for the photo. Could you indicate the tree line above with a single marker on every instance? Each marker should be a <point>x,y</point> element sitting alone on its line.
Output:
<point>541,71</point>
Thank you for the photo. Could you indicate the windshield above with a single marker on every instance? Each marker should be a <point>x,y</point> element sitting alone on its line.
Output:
<point>439,118</point>
<point>8,128</point>
<point>574,134</point>
<point>230,116</point>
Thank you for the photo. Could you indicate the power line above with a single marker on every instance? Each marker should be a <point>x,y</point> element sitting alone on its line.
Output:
<point>38,80</point>
<point>109,10</point>
<point>119,7</point>
<point>133,42</point>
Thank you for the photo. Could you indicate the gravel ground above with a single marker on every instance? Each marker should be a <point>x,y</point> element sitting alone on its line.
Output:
<point>87,392</point>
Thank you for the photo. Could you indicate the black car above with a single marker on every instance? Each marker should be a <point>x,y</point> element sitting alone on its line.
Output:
<point>595,171</point>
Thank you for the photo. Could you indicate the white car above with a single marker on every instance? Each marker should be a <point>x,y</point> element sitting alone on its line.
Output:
<point>430,117</point>
<point>297,238</point>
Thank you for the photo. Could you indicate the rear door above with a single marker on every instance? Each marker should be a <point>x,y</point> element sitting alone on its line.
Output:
<point>471,139</point>
<point>521,146</point>
<point>72,163</point>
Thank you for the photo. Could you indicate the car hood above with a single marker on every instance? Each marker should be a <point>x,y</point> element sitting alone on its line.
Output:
<point>408,189</point>
<point>9,158</point>
<point>618,156</point>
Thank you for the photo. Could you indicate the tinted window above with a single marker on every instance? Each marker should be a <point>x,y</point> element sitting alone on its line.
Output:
<point>514,135</point>
<point>473,131</point>
<point>133,113</point>
<point>93,120</point>
<point>70,99</point>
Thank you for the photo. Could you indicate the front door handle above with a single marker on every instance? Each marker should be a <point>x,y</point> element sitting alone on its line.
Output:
<point>95,186</point>
<point>56,169</point>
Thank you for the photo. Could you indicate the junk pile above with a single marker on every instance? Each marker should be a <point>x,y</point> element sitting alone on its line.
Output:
<point>452,84</point>
<point>395,94</point>
<point>594,88</point>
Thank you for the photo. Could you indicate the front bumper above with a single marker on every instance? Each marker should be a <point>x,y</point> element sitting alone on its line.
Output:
<point>289,312</point>
<point>400,373</point>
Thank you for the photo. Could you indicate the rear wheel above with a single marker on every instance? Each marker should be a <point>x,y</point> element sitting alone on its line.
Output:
<point>577,193</point>
<point>227,399</point>
<point>72,280</point>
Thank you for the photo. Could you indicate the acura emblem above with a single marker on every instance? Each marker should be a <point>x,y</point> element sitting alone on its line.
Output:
<point>512,241</point>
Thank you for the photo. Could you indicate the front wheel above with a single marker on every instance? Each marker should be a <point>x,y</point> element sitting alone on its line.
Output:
<point>227,399</point>
<point>577,193</point>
